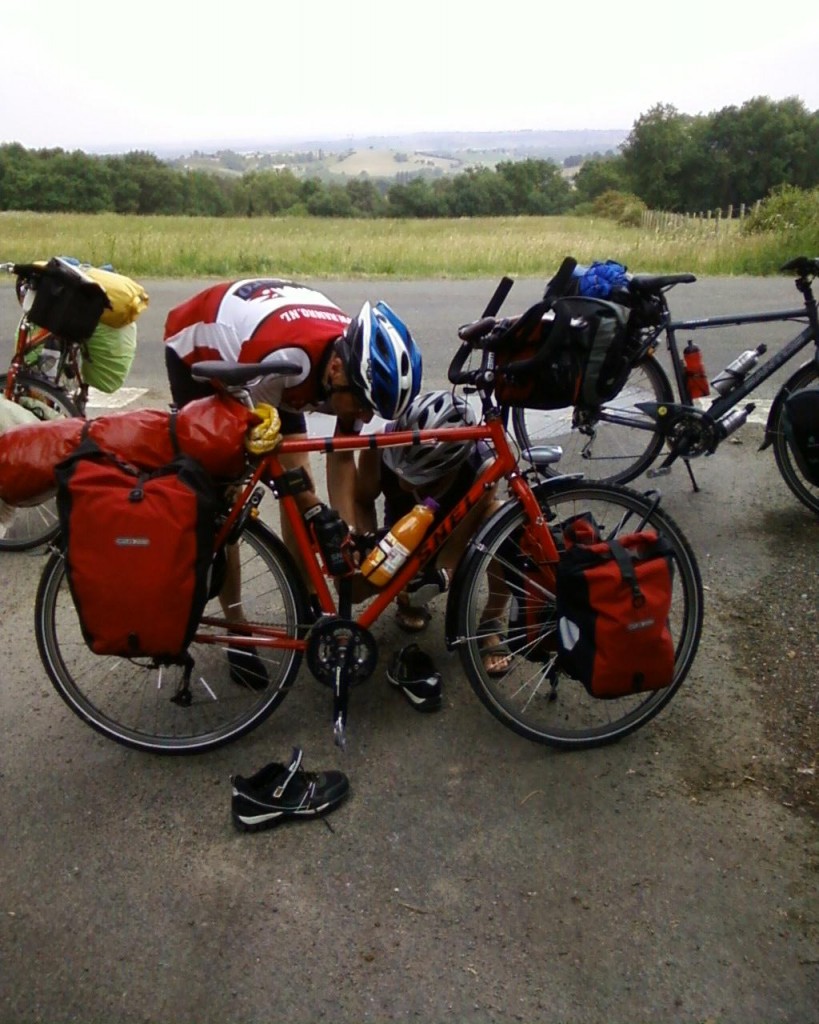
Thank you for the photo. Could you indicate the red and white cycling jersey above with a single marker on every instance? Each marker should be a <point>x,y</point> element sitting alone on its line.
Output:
<point>260,320</point>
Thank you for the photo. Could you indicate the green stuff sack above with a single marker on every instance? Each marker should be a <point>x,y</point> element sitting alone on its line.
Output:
<point>107,356</point>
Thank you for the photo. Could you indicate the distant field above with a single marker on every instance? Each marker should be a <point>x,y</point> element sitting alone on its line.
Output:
<point>387,163</point>
<point>327,248</point>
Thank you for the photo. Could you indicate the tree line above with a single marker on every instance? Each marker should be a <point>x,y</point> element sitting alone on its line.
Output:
<point>670,161</point>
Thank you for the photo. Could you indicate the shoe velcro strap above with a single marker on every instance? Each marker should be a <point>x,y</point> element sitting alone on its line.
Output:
<point>293,767</point>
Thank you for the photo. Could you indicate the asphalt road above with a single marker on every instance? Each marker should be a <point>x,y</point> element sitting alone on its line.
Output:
<point>472,875</point>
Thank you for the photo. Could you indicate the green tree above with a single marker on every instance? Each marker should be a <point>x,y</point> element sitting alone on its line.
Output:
<point>534,187</point>
<point>756,147</point>
<point>655,154</point>
<point>415,198</point>
<point>599,175</point>
<point>365,198</point>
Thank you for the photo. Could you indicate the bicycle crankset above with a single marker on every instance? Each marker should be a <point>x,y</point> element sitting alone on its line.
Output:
<point>689,433</point>
<point>336,641</point>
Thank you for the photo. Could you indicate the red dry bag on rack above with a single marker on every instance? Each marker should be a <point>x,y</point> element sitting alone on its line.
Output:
<point>138,551</point>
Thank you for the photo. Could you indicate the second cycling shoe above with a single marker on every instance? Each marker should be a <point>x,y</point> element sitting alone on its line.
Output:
<point>414,674</point>
<point>280,792</point>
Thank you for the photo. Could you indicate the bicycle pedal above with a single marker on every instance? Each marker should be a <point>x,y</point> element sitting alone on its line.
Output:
<point>662,471</point>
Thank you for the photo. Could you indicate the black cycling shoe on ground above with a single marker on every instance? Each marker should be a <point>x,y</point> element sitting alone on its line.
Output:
<point>414,674</point>
<point>280,793</point>
<point>247,668</point>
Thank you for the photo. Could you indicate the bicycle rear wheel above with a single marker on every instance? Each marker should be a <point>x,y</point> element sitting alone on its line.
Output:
<point>804,489</point>
<point>553,708</point>
<point>131,701</point>
<point>35,525</point>
<point>615,443</point>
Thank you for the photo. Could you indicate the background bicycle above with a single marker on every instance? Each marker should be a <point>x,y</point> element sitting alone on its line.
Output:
<point>625,435</point>
<point>63,347</point>
<point>169,707</point>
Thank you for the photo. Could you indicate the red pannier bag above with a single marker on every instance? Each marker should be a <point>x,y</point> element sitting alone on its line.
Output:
<point>211,430</point>
<point>138,550</point>
<point>613,600</point>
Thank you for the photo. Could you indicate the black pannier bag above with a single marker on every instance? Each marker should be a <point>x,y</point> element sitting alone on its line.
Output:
<point>64,300</point>
<point>560,353</point>
<point>801,425</point>
<point>537,365</point>
<point>604,342</point>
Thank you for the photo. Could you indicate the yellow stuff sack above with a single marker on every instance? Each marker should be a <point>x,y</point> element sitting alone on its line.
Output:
<point>128,298</point>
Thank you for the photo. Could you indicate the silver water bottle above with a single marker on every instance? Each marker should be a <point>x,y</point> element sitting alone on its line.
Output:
<point>735,371</point>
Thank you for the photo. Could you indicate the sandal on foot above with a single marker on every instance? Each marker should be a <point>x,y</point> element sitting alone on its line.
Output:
<point>414,674</point>
<point>408,617</point>
<point>280,792</point>
<point>488,629</point>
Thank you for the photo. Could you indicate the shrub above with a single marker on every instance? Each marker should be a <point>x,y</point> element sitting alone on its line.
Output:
<point>622,207</point>
<point>787,210</point>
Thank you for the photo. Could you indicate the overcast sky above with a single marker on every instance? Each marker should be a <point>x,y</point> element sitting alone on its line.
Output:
<point>115,75</point>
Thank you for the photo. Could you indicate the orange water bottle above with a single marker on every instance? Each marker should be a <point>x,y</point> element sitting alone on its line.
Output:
<point>387,557</point>
<point>698,386</point>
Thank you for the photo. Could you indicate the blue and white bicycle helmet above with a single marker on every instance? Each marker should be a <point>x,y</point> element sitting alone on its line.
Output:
<point>421,465</point>
<point>384,363</point>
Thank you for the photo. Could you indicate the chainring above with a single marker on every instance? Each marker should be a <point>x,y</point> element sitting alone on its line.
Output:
<point>691,434</point>
<point>334,638</point>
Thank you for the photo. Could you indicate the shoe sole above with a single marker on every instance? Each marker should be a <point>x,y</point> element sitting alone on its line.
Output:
<point>270,819</point>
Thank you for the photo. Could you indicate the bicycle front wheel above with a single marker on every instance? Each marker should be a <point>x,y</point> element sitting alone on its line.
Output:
<point>615,443</point>
<point>800,485</point>
<point>531,695</point>
<point>132,701</point>
<point>35,525</point>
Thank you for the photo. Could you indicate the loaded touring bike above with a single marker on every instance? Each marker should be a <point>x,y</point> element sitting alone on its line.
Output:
<point>194,705</point>
<point>61,350</point>
<point>646,427</point>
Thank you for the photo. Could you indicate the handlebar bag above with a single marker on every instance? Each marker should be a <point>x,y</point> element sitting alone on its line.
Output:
<point>138,551</point>
<point>62,299</point>
<point>612,604</point>
<point>801,425</point>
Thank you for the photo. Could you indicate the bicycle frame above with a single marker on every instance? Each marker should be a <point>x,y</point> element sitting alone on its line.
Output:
<point>502,466</point>
<point>720,405</point>
<point>269,469</point>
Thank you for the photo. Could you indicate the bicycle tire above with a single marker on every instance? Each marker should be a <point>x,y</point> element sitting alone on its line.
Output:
<point>35,525</point>
<point>564,715</point>
<point>601,449</point>
<point>787,464</point>
<point>129,700</point>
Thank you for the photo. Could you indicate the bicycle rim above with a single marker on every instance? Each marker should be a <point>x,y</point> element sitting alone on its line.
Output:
<point>786,461</point>
<point>35,525</point>
<point>131,701</point>
<point>592,443</point>
<point>556,709</point>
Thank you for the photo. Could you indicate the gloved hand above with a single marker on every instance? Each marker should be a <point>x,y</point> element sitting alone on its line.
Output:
<point>334,539</point>
<point>264,436</point>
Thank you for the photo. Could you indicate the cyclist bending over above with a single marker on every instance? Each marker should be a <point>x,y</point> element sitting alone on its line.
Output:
<point>349,368</point>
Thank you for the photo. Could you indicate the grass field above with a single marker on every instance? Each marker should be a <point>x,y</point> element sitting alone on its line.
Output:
<point>327,248</point>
